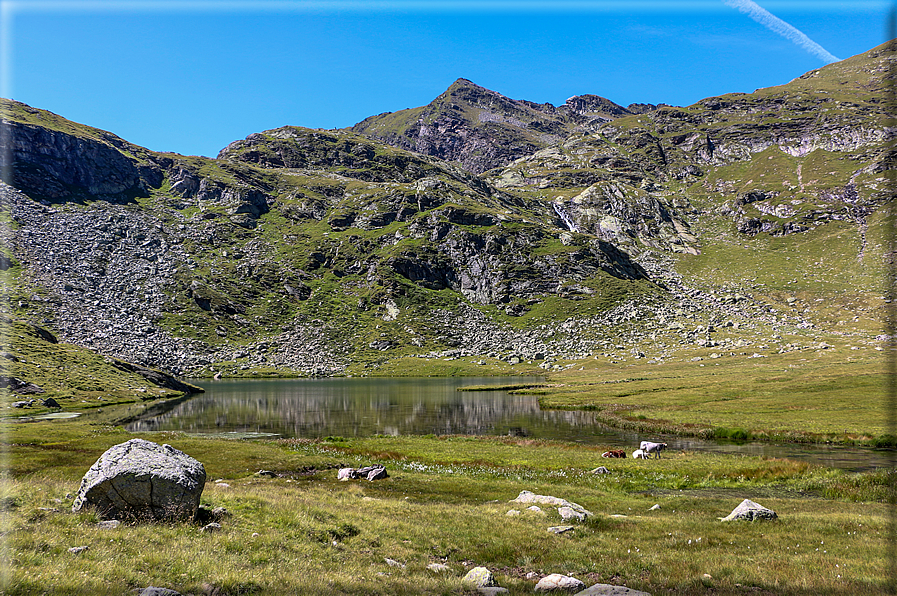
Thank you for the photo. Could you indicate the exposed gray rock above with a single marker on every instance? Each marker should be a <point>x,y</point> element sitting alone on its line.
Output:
<point>78,549</point>
<point>154,591</point>
<point>559,583</point>
<point>750,511</point>
<point>347,474</point>
<point>141,479</point>
<point>211,527</point>
<point>560,529</point>
<point>377,474</point>
<point>478,577</point>
<point>51,403</point>
<point>527,497</point>
<point>610,590</point>
<point>19,386</point>
<point>438,567</point>
<point>568,513</point>
<point>600,470</point>
<point>109,524</point>
<point>372,473</point>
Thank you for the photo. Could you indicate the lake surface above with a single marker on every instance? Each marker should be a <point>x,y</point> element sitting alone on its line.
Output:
<point>317,408</point>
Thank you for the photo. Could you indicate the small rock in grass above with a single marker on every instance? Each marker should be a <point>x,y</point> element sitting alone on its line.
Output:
<point>78,549</point>
<point>478,577</point>
<point>559,583</point>
<point>600,470</point>
<point>154,591</point>
<point>438,567</point>
<point>267,473</point>
<point>568,513</point>
<point>345,474</point>
<point>560,529</point>
<point>108,525</point>
<point>750,511</point>
<point>535,509</point>
<point>209,528</point>
<point>394,563</point>
<point>377,474</point>
<point>512,513</point>
<point>610,590</point>
<point>655,507</point>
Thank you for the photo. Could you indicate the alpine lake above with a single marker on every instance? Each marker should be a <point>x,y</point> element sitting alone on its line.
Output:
<point>360,407</point>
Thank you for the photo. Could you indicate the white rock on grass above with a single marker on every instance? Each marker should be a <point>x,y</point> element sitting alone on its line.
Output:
<point>438,567</point>
<point>559,583</point>
<point>527,497</point>
<point>568,513</point>
<point>141,479</point>
<point>478,577</point>
<point>750,511</point>
<point>610,590</point>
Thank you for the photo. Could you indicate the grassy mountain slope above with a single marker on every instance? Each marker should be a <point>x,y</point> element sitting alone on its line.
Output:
<point>302,251</point>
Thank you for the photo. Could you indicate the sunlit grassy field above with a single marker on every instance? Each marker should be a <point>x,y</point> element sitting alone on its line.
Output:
<point>832,394</point>
<point>446,501</point>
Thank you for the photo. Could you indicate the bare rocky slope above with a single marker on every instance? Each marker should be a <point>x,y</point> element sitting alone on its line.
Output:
<point>474,227</point>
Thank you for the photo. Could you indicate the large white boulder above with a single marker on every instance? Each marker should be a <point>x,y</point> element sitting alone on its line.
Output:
<point>142,479</point>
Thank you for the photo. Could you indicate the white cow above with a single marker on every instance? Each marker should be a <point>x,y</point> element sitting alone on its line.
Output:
<point>649,448</point>
<point>639,454</point>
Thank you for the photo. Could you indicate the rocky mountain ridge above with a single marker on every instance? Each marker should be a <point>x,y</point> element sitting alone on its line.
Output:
<point>610,232</point>
<point>481,129</point>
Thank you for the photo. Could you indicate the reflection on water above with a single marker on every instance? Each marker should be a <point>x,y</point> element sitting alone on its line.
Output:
<point>362,407</point>
<point>314,408</point>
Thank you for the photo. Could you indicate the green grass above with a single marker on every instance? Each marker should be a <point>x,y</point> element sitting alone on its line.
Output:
<point>836,394</point>
<point>77,378</point>
<point>445,501</point>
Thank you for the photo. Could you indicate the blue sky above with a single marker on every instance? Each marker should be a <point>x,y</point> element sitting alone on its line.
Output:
<point>192,76</point>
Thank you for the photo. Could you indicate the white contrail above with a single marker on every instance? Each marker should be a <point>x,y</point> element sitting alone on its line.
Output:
<point>777,25</point>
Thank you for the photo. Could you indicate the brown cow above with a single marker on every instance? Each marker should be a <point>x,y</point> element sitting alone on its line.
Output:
<point>614,453</point>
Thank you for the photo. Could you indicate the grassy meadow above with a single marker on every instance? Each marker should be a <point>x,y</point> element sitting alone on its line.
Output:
<point>831,394</point>
<point>446,501</point>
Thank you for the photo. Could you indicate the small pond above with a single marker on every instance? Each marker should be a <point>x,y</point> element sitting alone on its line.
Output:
<point>348,407</point>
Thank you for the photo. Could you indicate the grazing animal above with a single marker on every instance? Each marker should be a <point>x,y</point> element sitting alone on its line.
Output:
<point>614,453</point>
<point>639,454</point>
<point>655,448</point>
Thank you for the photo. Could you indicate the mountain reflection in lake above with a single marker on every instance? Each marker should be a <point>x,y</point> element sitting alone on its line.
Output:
<point>316,408</point>
<point>312,408</point>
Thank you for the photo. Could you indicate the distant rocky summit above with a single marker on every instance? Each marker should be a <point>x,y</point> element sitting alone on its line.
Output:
<point>481,129</point>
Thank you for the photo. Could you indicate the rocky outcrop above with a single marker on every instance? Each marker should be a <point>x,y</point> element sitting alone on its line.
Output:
<point>53,159</point>
<point>557,582</point>
<point>156,377</point>
<point>143,480</point>
<point>749,511</point>
<point>482,129</point>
